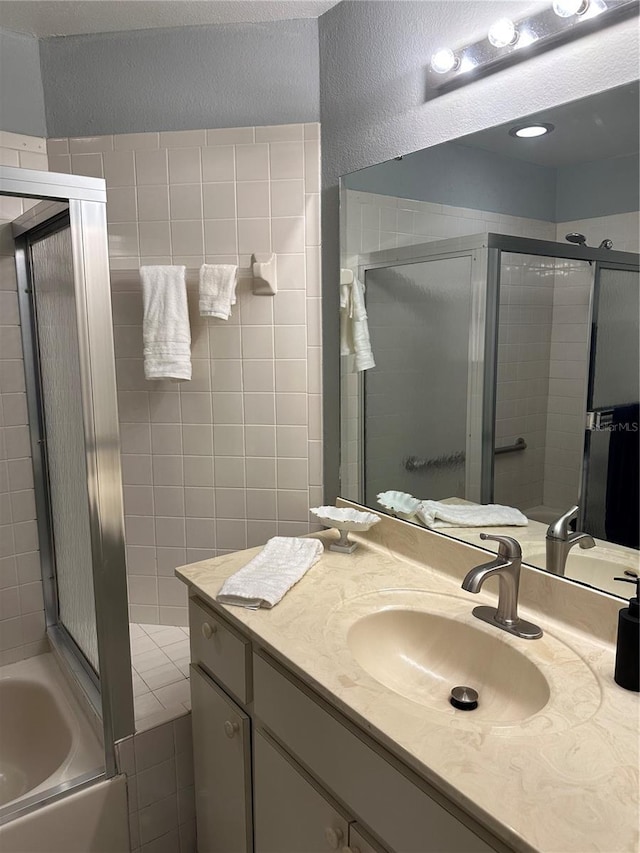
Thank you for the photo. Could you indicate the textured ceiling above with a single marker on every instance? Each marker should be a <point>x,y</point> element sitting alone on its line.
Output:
<point>44,18</point>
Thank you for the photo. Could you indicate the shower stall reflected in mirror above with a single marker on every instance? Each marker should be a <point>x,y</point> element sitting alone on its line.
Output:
<point>66,700</point>
<point>498,379</point>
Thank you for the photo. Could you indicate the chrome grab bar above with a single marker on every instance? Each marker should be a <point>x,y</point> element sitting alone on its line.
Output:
<point>519,444</point>
<point>453,460</point>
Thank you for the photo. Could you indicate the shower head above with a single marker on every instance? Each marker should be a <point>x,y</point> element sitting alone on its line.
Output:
<point>574,237</point>
<point>606,244</point>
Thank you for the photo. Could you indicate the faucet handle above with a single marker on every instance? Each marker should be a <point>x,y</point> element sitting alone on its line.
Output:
<point>560,528</point>
<point>509,547</point>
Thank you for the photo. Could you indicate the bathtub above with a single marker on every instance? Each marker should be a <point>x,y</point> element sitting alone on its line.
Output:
<point>45,739</point>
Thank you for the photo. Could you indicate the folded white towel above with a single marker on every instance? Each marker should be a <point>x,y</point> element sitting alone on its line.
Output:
<point>217,290</point>
<point>165,327</point>
<point>354,328</point>
<point>272,573</point>
<point>436,515</point>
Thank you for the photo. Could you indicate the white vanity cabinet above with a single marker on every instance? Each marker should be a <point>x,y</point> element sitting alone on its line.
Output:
<point>290,814</point>
<point>319,782</point>
<point>221,768</point>
<point>358,843</point>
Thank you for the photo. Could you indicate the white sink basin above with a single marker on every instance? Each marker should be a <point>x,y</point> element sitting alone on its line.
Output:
<point>595,567</point>
<point>422,656</point>
<point>409,647</point>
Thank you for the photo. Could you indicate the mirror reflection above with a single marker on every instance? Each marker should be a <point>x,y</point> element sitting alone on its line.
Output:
<point>490,338</point>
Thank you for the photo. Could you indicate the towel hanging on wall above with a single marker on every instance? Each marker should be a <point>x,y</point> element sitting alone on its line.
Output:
<point>217,290</point>
<point>354,328</point>
<point>165,327</point>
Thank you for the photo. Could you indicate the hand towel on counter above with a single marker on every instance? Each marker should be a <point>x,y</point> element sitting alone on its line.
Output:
<point>166,333</point>
<point>354,328</point>
<point>436,515</point>
<point>217,290</point>
<point>272,573</point>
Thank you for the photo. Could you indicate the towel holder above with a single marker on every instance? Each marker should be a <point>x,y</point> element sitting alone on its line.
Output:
<point>265,279</point>
<point>346,276</point>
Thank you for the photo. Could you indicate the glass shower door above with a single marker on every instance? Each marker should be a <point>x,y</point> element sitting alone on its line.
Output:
<point>417,396</point>
<point>54,304</point>
<point>610,485</point>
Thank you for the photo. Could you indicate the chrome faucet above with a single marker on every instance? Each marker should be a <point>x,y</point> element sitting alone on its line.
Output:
<point>560,540</point>
<point>506,567</point>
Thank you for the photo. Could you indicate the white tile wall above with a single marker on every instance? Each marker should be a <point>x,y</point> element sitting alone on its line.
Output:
<point>22,624</point>
<point>376,222</point>
<point>158,764</point>
<point>233,457</point>
<point>622,228</point>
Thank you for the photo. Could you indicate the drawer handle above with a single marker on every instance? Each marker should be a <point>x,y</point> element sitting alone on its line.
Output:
<point>231,729</point>
<point>333,837</point>
<point>208,630</point>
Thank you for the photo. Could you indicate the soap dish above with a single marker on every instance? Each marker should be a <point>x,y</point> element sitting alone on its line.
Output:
<point>401,504</point>
<point>345,520</point>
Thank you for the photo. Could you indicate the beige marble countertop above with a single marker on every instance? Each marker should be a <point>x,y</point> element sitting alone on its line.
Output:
<point>603,562</point>
<point>564,780</point>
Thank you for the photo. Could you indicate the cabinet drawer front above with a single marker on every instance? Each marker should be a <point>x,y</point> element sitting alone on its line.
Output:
<point>221,767</point>
<point>221,650</point>
<point>359,844</point>
<point>403,815</point>
<point>290,815</point>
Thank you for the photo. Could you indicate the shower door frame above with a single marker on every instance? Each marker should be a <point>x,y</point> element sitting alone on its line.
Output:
<point>85,199</point>
<point>599,259</point>
<point>486,267</point>
<point>481,353</point>
<point>593,323</point>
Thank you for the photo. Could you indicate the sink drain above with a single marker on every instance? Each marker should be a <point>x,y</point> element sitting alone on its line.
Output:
<point>464,698</point>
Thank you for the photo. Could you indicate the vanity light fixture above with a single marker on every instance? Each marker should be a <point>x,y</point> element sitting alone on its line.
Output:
<point>530,131</point>
<point>507,39</point>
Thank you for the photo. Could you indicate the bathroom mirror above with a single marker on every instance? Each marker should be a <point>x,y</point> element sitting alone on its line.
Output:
<point>500,277</point>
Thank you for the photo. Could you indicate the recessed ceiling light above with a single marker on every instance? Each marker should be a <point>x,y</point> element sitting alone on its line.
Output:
<point>530,131</point>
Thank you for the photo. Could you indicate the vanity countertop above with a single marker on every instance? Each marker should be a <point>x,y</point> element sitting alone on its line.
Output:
<point>557,781</point>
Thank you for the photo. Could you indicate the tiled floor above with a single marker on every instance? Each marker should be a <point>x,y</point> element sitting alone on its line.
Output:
<point>160,669</point>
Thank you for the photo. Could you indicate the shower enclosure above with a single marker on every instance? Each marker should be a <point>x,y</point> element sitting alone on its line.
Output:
<point>490,350</point>
<point>65,318</point>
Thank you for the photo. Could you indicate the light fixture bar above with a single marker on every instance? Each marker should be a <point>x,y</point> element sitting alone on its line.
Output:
<point>534,34</point>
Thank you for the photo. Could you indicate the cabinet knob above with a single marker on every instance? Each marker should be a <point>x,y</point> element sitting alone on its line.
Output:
<point>208,630</point>
<point>333,837</point>
<point>231,729</point>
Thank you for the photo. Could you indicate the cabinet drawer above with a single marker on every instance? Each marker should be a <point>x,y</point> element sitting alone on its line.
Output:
<point>220,649</point>
<point>396,808</point>
<point>290,815</point>
<point>358,843</point>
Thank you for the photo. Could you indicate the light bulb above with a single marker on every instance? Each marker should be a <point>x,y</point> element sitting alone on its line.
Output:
<point>503,33</point>
<point>443,60</point>
<point>530,131</point>
<point>568,8</point>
